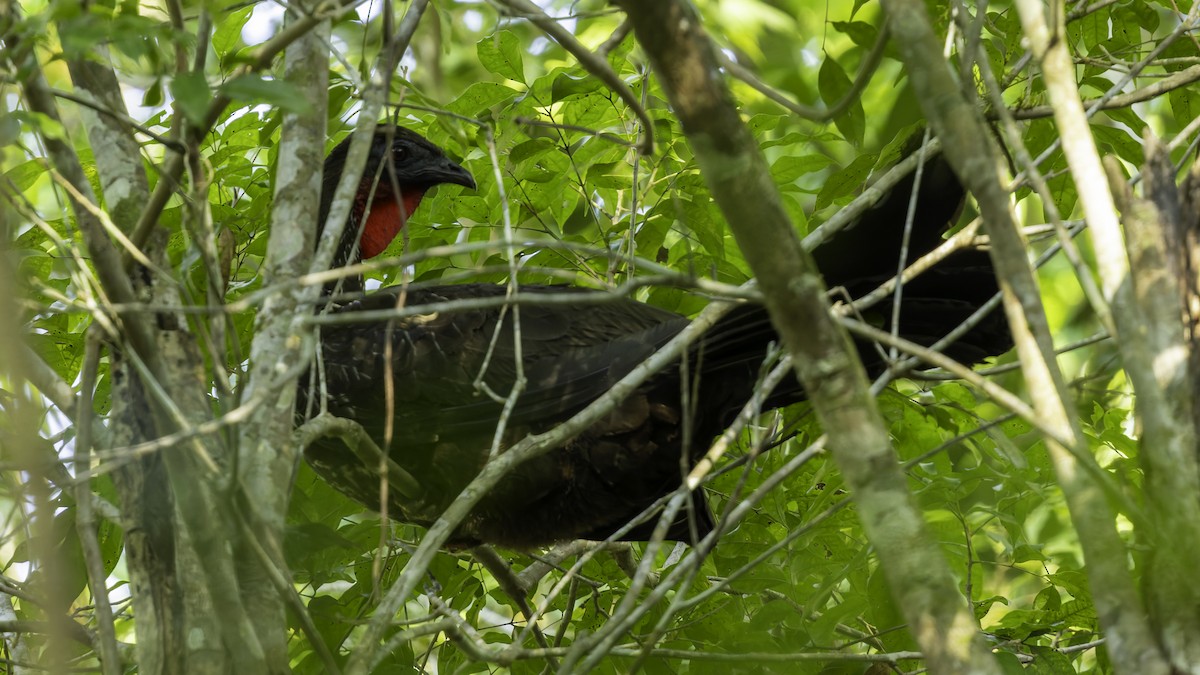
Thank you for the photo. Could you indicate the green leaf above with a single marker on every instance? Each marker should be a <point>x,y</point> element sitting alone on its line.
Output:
<point>846,181</point>
<point>227,37</point>
<point>862,33</point>
<point>24,175</point>
<point>564,85</point>
<point>763,123</point>
<point>530,149</point>
<point>481,96</point>
<point>1048,599</point>
<point>500,53</point>
<point>1129,118</point>
<point>982,607</point>
<point>1027,552</point>
<point>44,125</point>
<point>1048,661</point>
<point>883,612</point>
<point>590,111</point>
<point>10,129</point>
<point>154,95</point>
<point>1093,28</point>
<point>1112,140</point>
<point>700,218</point>
<point>1009,663</point>
<point>1184,104</point>
<point>788,169</point>
<point>69,577</point>
<point>610,175</point>
<point>834,85</point>
<point>192,96</point>
<point>253,88</point>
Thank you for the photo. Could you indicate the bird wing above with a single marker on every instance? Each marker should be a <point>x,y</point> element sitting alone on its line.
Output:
<point>443,363</point>
<point>450,371</point>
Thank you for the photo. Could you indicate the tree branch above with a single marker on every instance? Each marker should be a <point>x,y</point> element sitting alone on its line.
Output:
<point>966,139</point>
<point>832,375</point>
<point>528,448</point>
<point>591,62</point>
<point>865,70</point>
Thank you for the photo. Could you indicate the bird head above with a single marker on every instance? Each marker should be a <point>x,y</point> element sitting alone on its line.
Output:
<point>401,167</point>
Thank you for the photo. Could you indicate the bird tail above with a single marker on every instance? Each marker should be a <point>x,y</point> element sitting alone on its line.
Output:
<point>858,259</point>
<point>866,254</point>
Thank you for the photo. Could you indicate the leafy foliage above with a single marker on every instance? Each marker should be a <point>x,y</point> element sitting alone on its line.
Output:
<point>797,575</point>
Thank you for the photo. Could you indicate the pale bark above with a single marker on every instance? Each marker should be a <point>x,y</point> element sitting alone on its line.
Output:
<point>733,166</point>
<point>1156,353</point>
<point>966,140</point>
<point>267,459</point>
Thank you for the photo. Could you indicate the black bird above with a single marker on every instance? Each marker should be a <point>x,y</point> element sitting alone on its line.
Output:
<point>443,425</point>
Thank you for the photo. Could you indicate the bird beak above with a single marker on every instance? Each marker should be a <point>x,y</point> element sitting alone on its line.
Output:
<point>446,171</point>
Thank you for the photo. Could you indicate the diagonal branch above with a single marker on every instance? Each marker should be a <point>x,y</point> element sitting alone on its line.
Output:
<point>104,255</point>
<point>737,174</point>
<point>869,65</point>
<point>960,125</point>
<point>528,448</point>
<point>592,62</point>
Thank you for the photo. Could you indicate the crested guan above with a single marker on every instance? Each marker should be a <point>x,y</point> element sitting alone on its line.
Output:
<point>443,424</point>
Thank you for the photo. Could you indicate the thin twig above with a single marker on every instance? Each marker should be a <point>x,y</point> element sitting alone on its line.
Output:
<point>528,448</point>
<point>120,117</point>
<point>868,67</point>
<point>591,62</point>
<point>1174,81</point>
<point>879,189</point>
<point>511,585</point>
<point>85,522</point>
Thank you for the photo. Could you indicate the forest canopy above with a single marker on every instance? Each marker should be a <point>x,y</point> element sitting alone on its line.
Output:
<point>161,261</point>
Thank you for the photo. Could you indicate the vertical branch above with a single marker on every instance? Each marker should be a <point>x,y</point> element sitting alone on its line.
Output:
<point>266,466</point>
<point>103,254</point>
<point>265,459</point>
<point>1012,136</point>
<point>110,659</point>
<point>965,138</point>
<point>1150,339</point>
<point>1157,362</point>
<point>280,339</point>
<point>737,175</point>
<point>1188,243</point>
<point>115,150</point>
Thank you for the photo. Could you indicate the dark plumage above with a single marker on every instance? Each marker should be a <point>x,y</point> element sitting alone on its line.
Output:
<point>572,353</point>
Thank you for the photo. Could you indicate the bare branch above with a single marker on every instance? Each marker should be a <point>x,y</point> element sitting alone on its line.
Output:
<point>965,137</point>
<point>591,62</point>
<point>528,448</point>
<point>1170,83</point>
<point>359,442</point>
<point>868,67</point>
<point>832,375</point>
<point>85,521</point>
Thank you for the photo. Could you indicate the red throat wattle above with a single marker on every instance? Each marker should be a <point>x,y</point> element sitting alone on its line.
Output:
<point>386,219</point>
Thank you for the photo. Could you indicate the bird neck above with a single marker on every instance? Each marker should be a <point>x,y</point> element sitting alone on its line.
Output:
<point>379,223</point>
<point>384,220</point>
